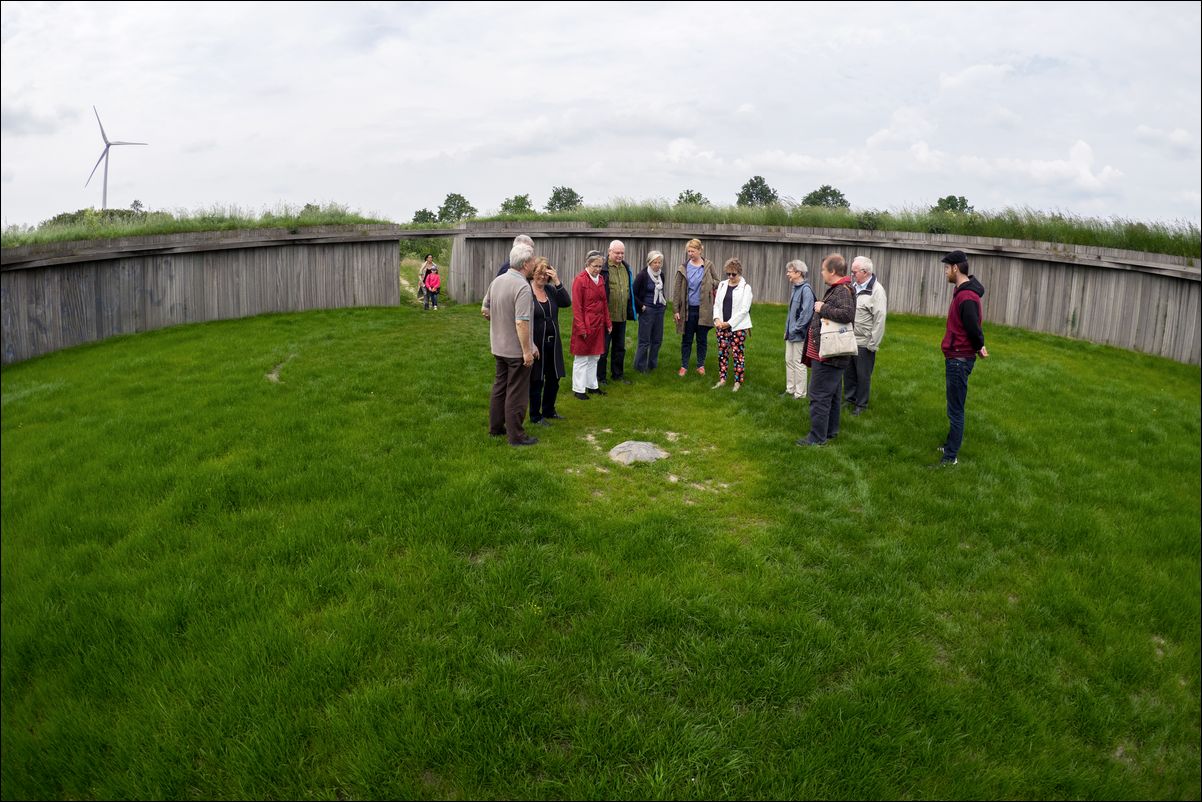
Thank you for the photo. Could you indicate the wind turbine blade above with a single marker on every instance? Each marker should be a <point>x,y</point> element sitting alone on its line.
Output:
<point>129,143</point>
<point>103,153</point>
<point>103,135</point>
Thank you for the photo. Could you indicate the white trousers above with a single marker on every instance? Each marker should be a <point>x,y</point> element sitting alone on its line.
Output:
<point>584,373</point>
<point>795,369</point>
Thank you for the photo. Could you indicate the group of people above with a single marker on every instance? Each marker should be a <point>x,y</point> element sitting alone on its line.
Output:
<point>523,302</point>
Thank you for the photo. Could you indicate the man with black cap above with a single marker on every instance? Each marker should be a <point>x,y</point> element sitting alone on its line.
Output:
<point>963,342</point>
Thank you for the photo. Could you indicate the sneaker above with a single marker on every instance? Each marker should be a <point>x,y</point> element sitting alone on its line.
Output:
<point>805,442</point>
<point>735,389</point>
<point>946,461</point>
<point>721,383</point>
<point>701,370</point>
<point>682,372</point>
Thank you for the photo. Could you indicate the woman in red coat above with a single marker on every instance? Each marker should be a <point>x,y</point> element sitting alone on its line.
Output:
<point>590,323</point>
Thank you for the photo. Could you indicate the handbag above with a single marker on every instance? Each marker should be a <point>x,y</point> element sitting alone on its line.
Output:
<point>837,339</point>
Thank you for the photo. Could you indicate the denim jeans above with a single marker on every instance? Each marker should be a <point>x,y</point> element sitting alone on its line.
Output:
<point>957,372</point>
<point>651,334</point>
<point>693,328</point>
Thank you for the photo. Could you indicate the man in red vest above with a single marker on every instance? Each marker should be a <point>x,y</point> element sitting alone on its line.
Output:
<point>963,342</point>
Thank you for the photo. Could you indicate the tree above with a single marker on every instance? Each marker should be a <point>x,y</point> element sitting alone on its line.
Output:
<point>424,216</point>
<point>952,203</point>
<point>518,204</point>
<point>825,195</point>
<point>756,192</point>
<point>455,207</point>
<point>563,199</point>
<point>690,198</point>
<point>137,207</point>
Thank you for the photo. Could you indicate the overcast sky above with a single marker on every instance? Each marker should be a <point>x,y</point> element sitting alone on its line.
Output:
<point>1087,108</point>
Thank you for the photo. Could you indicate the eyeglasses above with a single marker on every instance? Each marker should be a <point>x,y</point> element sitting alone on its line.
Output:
<point>732,275</point>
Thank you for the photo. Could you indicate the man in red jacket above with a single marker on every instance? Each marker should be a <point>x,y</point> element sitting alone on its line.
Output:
<point>962,343</point>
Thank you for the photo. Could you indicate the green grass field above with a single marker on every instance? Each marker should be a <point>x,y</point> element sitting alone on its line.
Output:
<point>281,558</point>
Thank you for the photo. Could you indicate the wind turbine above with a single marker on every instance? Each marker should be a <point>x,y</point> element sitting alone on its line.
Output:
<point>104,157</point>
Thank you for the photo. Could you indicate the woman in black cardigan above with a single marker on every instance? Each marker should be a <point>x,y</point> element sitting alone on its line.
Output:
<point>549,296</point>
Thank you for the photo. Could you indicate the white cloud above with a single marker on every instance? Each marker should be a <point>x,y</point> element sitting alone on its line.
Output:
<point>1077,172</point>
<point>1178,142</point>
<point>907,124</point>
<point>685,153</point>
<point>974,76</point>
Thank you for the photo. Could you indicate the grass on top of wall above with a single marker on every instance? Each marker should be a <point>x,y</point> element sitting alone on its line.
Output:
<point>114,223</point>
<point>280,557</point>
<point>1178,238</point>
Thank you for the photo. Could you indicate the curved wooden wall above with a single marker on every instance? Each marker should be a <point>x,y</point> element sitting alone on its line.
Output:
<point>57,295</point>
<point>1139,301</point>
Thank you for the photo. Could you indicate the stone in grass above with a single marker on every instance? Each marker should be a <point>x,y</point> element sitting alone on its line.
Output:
<point>636,451</point>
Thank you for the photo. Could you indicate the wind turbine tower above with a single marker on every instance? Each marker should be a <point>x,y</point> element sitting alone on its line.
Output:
<point>104,157</point>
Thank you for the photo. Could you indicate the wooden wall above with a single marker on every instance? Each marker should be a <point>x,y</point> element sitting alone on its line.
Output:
<point>1139,301</point>
<point>55,298</point>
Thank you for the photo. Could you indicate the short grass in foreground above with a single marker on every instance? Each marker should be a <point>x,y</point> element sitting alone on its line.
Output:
<point>217,585</point>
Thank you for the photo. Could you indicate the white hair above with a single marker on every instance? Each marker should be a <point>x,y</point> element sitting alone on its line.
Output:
<point>651,257</point>
<point>799,266</point>
<point>863,262</point>
<point>523,239</point>
<point>616,243</point>
<point>520,256</point>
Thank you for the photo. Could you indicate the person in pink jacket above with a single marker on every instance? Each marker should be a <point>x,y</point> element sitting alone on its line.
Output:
<point>590,324</point>
<point>433,284</point>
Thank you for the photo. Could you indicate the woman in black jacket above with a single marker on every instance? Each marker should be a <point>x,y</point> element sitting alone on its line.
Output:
<point>649,300</point>
<point>549,297</point>
<point>838,306</point>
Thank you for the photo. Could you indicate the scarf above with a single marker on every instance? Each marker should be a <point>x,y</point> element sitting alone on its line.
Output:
<point>657,278</point>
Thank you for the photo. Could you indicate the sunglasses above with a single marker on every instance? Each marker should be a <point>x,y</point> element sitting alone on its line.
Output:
<point>732,274</point>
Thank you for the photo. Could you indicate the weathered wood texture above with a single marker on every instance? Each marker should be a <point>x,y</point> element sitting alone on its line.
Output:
<point>1139,301</point>
<point>52,300</point>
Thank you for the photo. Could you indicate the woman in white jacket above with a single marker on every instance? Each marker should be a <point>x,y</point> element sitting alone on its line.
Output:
<point>732,322</point>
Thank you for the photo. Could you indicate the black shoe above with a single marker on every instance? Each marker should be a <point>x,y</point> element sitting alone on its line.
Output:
<point>806,442</point>
<point>554,416</point>
<point>581,396</point>
<point>597,391</point>
<point>541,422</point>
<point>528,441</point>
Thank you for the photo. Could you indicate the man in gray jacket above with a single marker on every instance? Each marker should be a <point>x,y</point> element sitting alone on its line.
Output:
<point>797,324</point>
<point>869,329</point>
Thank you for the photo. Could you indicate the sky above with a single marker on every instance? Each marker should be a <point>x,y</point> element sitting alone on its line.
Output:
<point>1091,109</point>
